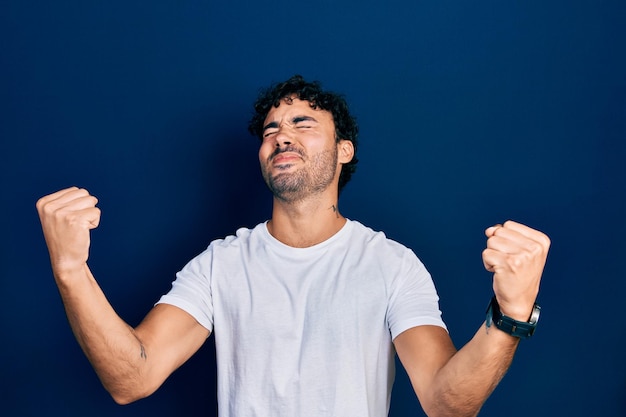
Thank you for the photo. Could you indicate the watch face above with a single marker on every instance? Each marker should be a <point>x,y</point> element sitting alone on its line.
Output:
<point>534,316</point>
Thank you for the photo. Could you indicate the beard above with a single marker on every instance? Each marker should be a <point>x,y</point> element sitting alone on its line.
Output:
<point>314,177</point>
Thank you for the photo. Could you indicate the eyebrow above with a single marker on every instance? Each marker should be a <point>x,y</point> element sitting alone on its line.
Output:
<point>270,125</point>
<point>296,119</point>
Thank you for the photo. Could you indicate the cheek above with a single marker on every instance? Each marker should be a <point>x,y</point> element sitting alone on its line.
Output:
<point>264,152</point>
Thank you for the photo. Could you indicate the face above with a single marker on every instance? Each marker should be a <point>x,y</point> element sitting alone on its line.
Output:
<point>299,155</point>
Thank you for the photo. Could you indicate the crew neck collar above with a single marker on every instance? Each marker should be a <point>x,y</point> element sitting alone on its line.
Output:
<point>277,243</point>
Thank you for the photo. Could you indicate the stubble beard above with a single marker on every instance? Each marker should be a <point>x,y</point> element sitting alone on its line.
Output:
<point>306,181</point>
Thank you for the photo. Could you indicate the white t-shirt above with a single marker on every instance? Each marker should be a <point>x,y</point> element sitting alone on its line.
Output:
<point>306,331</point>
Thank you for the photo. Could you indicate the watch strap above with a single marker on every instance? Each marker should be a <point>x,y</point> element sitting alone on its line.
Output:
<point>515,328</point>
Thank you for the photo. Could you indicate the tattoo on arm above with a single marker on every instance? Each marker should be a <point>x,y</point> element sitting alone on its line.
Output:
<point>142,349</point>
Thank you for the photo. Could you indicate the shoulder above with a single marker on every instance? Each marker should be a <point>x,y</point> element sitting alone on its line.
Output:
<point>395,262</point>
<point>241,237</point>
<point>379,242</point>
<point>230,244</point>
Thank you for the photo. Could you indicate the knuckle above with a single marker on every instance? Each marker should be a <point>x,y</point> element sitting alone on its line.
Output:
<point>92,200</point>
<point>51,210</point>
<point>516,262</point>
<point>545,240</point>
<point>70,218</point>
<point>535,248</point>
<point>40,204</point>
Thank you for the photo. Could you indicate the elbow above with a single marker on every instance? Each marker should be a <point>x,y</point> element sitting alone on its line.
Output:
<point>120,400</point>
<point>128,388</point>
<point>448,413</point>
<point>124,398</point>
<point>127,395</point>
<point>446,404</point>
<point>449,410</point>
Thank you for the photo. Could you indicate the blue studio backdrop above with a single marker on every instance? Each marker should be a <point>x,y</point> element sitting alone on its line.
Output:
<point>471,113</point>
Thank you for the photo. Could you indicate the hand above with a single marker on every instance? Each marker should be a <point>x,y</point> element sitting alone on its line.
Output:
<point>516,254</point>
<point>66,217</point>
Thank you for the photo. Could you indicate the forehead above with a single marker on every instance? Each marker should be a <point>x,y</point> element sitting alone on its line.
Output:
<point>293,107</point>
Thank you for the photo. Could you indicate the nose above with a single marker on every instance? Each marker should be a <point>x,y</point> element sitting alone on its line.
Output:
<point>283,136</point>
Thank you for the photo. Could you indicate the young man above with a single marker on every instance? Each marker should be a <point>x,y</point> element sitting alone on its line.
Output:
<point>308,309</point>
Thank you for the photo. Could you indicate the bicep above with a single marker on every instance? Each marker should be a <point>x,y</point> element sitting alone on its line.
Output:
<point>423,351</point>
<point>169,336</point>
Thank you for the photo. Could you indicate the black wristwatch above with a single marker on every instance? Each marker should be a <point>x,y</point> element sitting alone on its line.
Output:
<point>508,325</point>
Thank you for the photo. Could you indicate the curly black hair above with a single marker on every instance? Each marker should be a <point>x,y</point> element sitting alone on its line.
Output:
<point>346,127</point>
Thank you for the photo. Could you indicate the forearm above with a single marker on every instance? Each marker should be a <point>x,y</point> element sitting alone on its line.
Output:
<point>111,345</point>
<point>457,383</point>
<point>468,378</point>
<point>114,348</point>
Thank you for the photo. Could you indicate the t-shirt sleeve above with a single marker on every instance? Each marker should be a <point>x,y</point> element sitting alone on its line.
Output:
<point>191,291</point>
<point>413,298</point>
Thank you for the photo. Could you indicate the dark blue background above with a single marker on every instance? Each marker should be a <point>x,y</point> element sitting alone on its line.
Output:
<point>470,113</point>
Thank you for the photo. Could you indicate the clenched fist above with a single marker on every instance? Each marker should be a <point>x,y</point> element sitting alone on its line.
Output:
<point>516,254</point>
<point>66,217</point>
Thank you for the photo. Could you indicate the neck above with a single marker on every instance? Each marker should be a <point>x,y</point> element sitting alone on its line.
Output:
<point>305,223</point>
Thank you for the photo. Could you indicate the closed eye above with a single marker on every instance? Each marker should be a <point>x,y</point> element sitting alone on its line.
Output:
<point>304,122</point>
<point>269,132</point>
<point>299,122</point>
<point>269,129</point>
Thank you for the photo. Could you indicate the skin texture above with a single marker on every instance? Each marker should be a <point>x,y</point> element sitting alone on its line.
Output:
<point>300,159</point>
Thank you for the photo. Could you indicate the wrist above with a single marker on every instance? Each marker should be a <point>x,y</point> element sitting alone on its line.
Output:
<point>519,307</point>
<point>67,274</point>
<point>516,313</point>
<point>518,328</point>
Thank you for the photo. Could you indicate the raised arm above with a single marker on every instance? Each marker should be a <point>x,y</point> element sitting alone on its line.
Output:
<point>451,383</point>
<point>131,363</point>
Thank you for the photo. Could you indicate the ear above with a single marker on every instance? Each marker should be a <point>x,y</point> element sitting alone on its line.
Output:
<point>346,151</point>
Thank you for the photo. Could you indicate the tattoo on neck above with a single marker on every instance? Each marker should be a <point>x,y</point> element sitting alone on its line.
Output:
<point>335,209</point>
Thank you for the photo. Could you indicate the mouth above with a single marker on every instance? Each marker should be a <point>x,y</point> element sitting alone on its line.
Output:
<point>285,158</point>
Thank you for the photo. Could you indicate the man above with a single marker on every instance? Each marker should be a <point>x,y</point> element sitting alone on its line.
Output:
<point>309,308</point>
